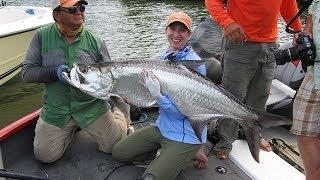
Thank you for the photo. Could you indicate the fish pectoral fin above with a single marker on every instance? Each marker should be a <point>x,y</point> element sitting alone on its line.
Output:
<point>198,122</point>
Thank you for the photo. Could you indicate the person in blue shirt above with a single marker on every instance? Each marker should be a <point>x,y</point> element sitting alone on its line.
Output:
<point>172,135</point>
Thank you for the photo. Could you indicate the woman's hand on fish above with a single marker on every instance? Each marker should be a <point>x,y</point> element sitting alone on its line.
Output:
<point>150,81</point>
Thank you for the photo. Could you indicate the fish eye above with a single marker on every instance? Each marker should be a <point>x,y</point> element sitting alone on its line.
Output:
<point>104,70</point>
<point>83,69</point>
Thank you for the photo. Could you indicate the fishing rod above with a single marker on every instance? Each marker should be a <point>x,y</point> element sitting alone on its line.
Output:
<point>4,173</point>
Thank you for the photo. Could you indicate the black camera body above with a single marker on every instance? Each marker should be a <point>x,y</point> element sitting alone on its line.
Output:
<point>305,50</point>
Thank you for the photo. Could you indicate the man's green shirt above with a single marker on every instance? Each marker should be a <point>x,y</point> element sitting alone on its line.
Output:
<point>47,51</point>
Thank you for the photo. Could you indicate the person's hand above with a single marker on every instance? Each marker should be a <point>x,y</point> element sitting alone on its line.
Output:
<point>294,38</point>
<point>60,70</point>
<point>151,82</point>
<point>308,33</point>
<point>235,33</point>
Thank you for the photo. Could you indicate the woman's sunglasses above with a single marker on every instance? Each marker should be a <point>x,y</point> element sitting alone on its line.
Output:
<point>74,9</point>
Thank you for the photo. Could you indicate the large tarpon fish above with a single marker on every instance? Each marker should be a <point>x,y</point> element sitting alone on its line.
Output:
<point>196,97</point>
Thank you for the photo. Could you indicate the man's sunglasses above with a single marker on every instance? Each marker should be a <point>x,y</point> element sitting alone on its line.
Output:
<point>74,9</point>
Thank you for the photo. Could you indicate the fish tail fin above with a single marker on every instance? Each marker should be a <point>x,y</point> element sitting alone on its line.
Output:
<point>252,131</point>
<point>253,140</point>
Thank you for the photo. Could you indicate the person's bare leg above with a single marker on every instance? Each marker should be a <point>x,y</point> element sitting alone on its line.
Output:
<point>201,161</point>
<point>309,148</point>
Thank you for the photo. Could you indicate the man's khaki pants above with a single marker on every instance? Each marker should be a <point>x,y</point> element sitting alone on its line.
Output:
<point>50,141</point>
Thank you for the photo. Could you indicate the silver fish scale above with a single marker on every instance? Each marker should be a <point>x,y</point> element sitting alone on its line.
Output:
<point>127,85</point>
<point>192,94</point>
<point>195,98</point>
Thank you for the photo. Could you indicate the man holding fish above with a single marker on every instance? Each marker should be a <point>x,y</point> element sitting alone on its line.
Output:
<point>52,51</point>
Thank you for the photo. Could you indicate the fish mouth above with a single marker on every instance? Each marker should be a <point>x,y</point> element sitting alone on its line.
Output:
<point>84,69</point>
<point>81,71</point>
<point>82,80</point>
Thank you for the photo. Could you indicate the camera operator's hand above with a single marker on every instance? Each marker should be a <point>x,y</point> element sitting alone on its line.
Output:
<point>308,33</point>
<point>235,33</point>
<point>294,39</point>
<point>296,36</point>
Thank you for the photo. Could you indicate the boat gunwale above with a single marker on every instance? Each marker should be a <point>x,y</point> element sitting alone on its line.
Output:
<point>20,32</point>
<point>18,125</point>
<point>14,69</point>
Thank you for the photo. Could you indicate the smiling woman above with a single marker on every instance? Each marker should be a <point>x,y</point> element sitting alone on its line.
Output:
<point>178,30</point>
<point>178,35</point>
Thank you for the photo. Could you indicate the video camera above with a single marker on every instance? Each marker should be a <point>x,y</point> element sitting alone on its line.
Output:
<point>305,50</point>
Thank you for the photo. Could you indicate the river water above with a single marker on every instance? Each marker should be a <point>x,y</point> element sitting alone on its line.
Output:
<point>131,30</point>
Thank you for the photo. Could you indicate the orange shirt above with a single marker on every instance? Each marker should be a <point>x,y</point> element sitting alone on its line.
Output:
<point>258,18</point>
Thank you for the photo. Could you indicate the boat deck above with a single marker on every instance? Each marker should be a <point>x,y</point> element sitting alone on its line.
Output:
<point>83,160</point>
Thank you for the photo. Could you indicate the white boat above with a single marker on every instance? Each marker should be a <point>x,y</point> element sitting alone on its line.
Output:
<point>17,25</point>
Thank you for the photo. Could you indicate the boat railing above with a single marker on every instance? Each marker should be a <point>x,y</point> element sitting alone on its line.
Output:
<point>18,125</point>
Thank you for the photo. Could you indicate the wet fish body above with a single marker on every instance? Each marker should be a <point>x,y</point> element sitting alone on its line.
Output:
<point>196,97</point>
